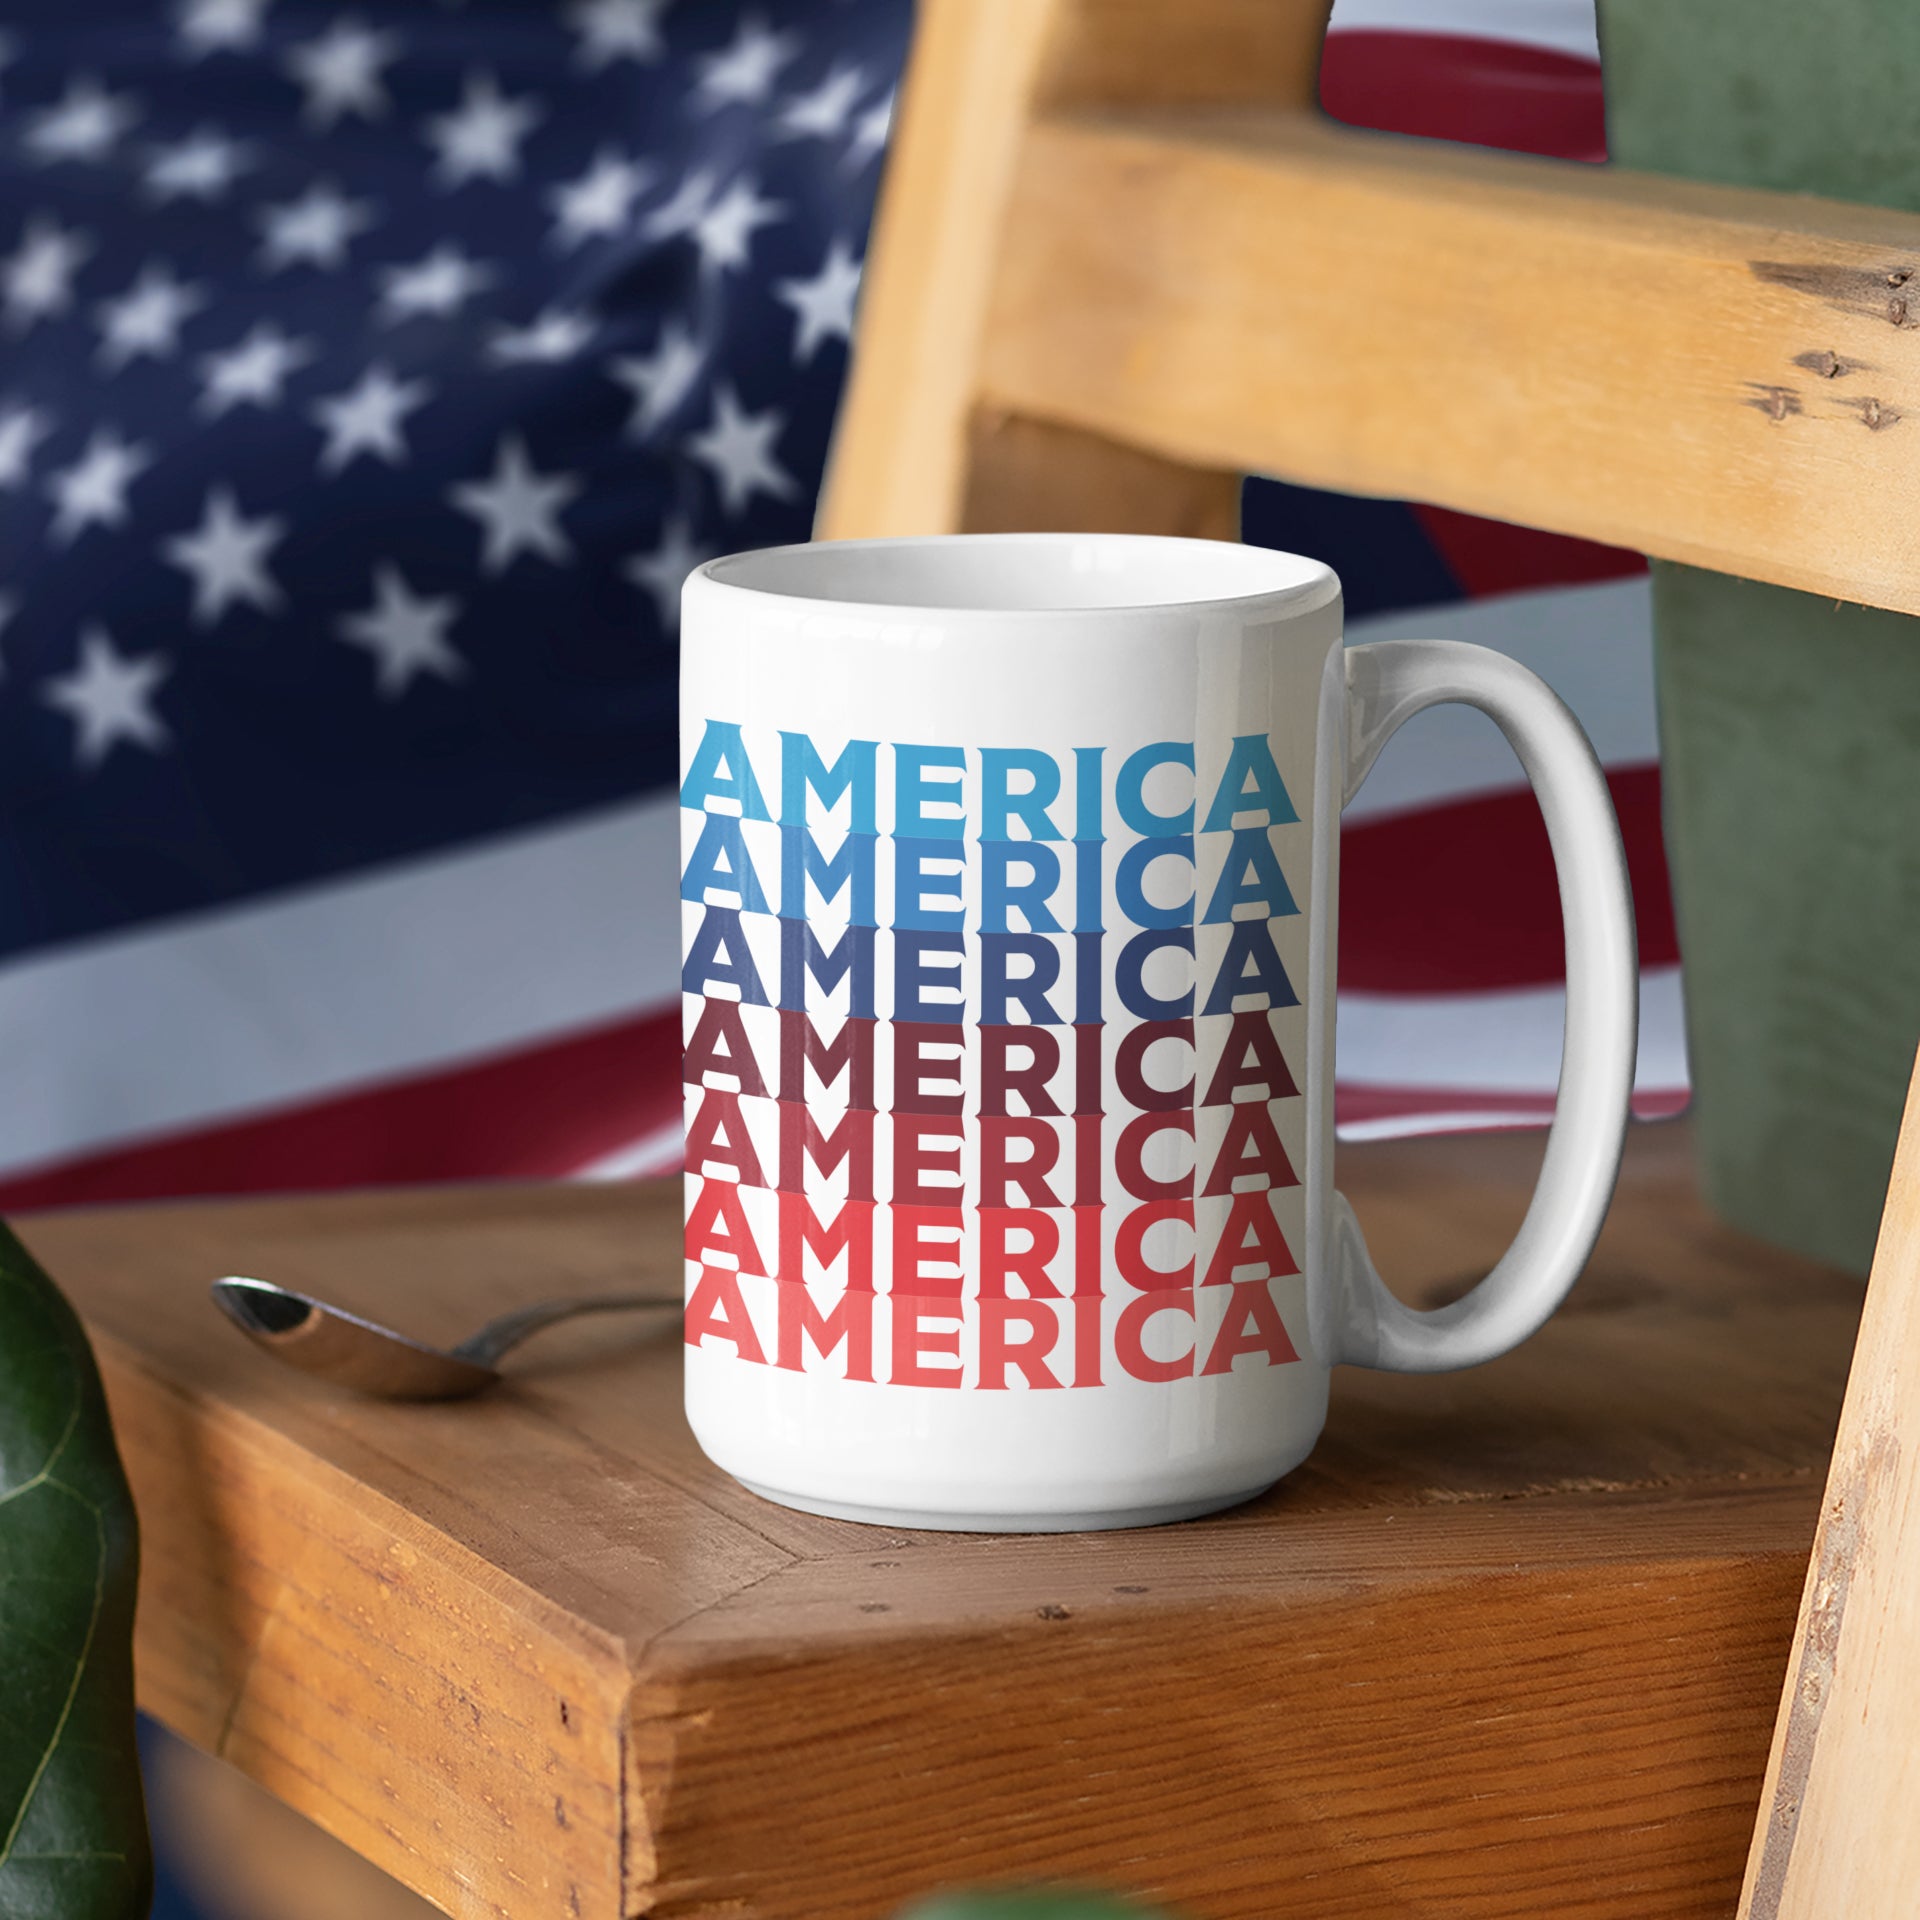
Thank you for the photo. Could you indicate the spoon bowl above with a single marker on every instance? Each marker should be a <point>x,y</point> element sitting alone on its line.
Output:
<point>351,1351</point>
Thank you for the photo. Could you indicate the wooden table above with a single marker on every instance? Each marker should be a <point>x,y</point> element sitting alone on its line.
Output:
<point>1509,1644</point>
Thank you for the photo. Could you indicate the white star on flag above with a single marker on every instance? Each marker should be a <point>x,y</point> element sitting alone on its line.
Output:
<point>825,111</point>
<point>547,339</point>
<point>439,284</point>
<point>254,372</point>
<point>599,201</point>
<point>613,30</point>
<point>823,306</point>
<point>679,213</point>
<point>663,572</point>
<point>746,70</point>
<point>218,26</point>
<point>870,132</point>
<point>226,557</point>
<point>724,233</point>
<point>367,418</point>
<point>36,279</point>
<point>406,633</point>
<point>86,124</point>
<point>22,428</point>
<point>480,139</point>
<point>203,165</point>
<point>661,380</point>
<point>109,698</point>
<point>93,491</point>
<point>518,509</point>
<point>147,318</point>
<point>316,230</point>
<point>737,449</point>
<point>341,71</point>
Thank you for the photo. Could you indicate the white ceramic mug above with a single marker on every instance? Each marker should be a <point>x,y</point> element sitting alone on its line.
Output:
<point>1009,894</point>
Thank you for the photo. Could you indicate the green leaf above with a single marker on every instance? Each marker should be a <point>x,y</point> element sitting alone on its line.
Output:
<point>73,1827</point>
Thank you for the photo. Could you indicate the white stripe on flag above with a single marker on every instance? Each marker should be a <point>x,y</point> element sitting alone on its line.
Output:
<point>1592,645</point>
<point>1562,26</point>
<point>423,965</point>
<point>435,962</point>
<point>1494,1042</point>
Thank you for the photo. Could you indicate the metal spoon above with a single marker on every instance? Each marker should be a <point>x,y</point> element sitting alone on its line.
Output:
<point>372,1359</point>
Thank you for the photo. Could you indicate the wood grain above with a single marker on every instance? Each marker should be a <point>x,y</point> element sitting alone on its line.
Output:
<point>1836,1833</point>
<point>898,458</point>
<point>1030,476</point>
<point>1508,1643</point>
<point>1517,1744</point>
<point>1211,52</point>
<point>1715,375</point>
<point>1126,220</point>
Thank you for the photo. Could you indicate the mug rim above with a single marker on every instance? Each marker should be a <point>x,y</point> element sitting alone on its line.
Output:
<point>1313,584</point>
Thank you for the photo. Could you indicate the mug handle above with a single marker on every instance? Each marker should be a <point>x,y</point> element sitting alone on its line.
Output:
<point>1389,681</point>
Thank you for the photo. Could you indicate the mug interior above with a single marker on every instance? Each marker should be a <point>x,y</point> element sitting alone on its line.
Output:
<point>1025,572</point>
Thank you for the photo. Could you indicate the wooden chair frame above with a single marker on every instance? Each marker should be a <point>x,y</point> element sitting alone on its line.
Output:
<point>1121,259</point>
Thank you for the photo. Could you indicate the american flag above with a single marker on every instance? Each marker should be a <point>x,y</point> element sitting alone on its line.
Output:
<point>370,377</point>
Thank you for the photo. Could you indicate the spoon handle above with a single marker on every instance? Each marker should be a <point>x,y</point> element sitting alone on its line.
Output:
<point>499,1335</point>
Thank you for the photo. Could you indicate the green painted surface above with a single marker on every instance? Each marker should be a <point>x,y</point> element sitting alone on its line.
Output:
<point>1792,740</point>
<point>1790,729</point>
<point>1820,96</point>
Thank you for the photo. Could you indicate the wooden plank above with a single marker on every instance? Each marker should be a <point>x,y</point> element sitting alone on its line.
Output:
<point>1836,1833</point>
<point>898,459</point>
<point>1031,476</point>
<point>900,455</point>
<point>1715,375</point>
<point>1140,53</point>
<point>407,1705</point>
<point>533,1655</point>
<point>1531,1743</point>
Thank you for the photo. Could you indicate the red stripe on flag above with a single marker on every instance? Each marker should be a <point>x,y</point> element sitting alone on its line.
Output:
<point>1452,86</point>
<point>1362,1106</point>
<point>536,1113</point>
<point>1461,898</point>
<point>1490,556</point>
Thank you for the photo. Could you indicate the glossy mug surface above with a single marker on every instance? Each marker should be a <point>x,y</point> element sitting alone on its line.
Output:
<point>1010,876</point>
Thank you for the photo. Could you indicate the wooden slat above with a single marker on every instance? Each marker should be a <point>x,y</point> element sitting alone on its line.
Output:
<point>1836,1833</point>
<point>898,459</point>
<point>1714,375</point>
<point>1032,476</point>
<point>1485,1745</point>
<point>900,455</point>
<point>1141,53</point>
